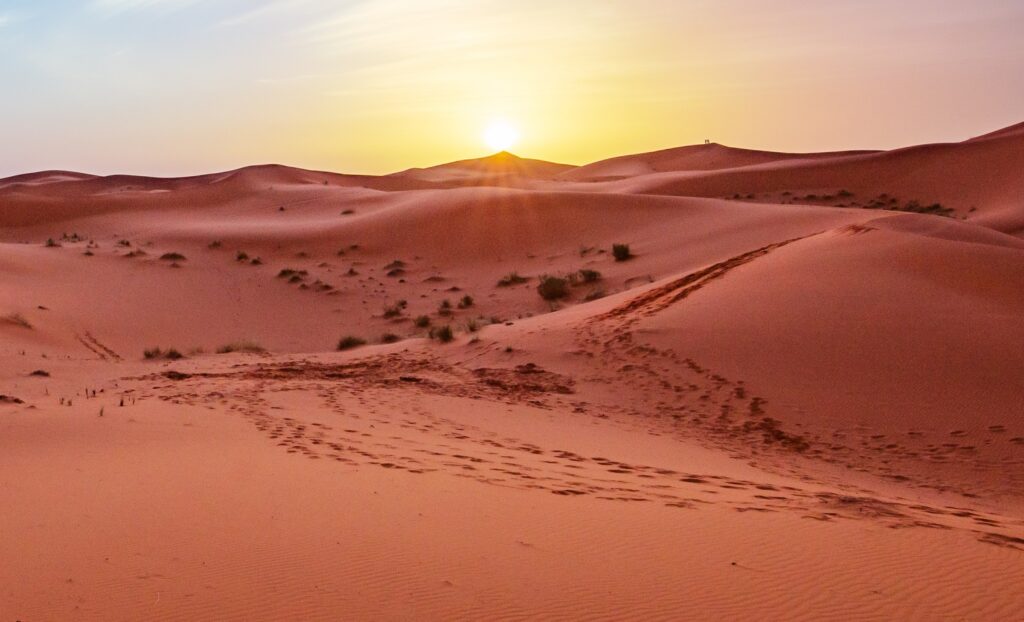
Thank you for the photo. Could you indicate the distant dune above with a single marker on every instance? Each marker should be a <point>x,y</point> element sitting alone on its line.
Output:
<point>496,169</point>
<point>708,157</point>
<point>756,386</point>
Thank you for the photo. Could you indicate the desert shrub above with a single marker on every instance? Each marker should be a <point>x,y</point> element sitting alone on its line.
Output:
<point>511,279</point>
<point>466,302</point>
<point>156,353</point>
<point>350,342</point>
<point>553,287</point>
<point>287,273</point>
<point>42,373</point>
<point>397,264</point>
<point>934,208</point>
<point>444,334</point>
<point>215,244</point>
<point>249,347</point>
<point>594,295</point>
<point>621,252</point>
<point>172,257</point>
<point>123,243</point>
<point>392,311</point>
<point>445,308</point>
<point>51,243</point>
<point>389,338</point>
<point>584,276</point>
<point>348,212</point>
<point>472,326</point>
<point>256,261</point>
<point>422,321</point>
<point>241,256</point>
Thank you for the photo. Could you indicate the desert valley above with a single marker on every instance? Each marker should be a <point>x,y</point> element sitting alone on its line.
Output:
<point>699,383</point>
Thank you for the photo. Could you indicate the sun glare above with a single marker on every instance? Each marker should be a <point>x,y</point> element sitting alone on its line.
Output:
<point>501,136</point>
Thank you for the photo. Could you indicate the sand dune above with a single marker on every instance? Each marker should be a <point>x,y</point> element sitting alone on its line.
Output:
<point>781,406</point>
<point>977,179</point>
<point>708,157</point>
<point>499,169</point>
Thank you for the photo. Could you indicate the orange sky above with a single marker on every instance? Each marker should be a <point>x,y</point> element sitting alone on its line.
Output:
<point>181,86</point>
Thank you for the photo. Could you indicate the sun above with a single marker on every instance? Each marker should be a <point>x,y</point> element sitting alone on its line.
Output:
<point>501,136</point>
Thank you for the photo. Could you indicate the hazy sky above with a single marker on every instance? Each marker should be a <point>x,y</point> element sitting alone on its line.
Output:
<point>186,86</point>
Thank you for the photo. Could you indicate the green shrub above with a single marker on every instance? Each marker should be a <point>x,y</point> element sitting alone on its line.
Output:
<point>511,279</point>
<point>443,334</point>
<point>553,287</point>
<point>584,276</point>
<point>248,347</point>
<point>156,353</point>
<point>293,275</point>
<point>621,252</point>
<point>347,343</point>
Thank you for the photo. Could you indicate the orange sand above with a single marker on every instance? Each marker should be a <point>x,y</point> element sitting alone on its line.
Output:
<point>800,400</point>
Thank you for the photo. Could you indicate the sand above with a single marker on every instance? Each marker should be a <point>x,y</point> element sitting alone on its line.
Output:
<point>800,399</point>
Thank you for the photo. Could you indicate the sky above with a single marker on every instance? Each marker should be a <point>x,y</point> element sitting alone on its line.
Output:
<point>174,87</point>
